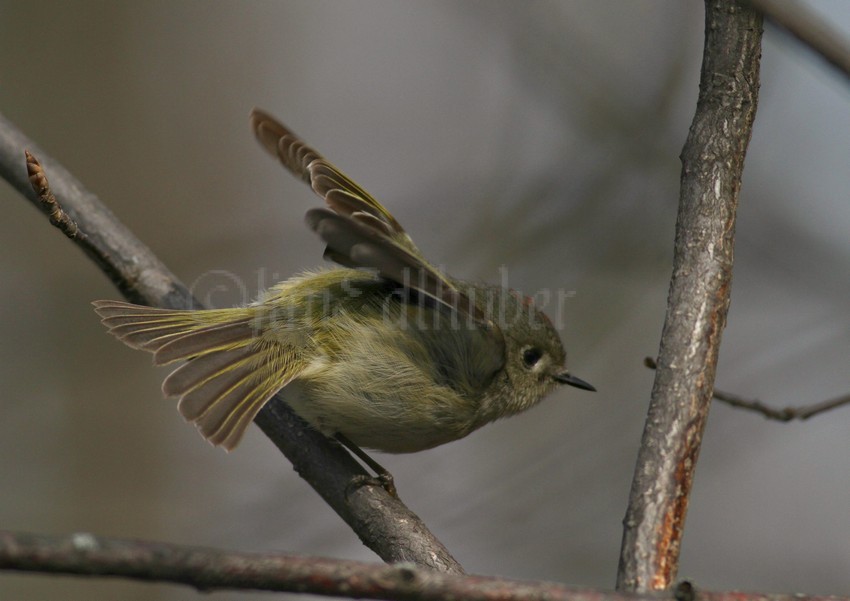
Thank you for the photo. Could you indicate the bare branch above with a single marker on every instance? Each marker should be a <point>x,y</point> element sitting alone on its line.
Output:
<point>382,522</point>
<point>712,164</point>
<point>808,28</point>
<point>783,415</point>
<point>207,570</point>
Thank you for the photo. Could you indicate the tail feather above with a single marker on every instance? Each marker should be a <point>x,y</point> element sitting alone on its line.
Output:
<point>151,328</point>
<point>234,430</point>
<point>206,339</point>
<point>253,379</point>
<point>231,370</point>
<point>193,374</point>
<point>148,337</point>
<point>139,326</point>
<point>213,379</point>
<point>225,422</point>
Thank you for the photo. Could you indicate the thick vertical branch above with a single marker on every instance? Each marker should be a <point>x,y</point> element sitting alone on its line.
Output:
<point>712,163</point>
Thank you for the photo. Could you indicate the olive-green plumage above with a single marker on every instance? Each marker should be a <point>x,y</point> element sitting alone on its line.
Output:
<point>396,357</point>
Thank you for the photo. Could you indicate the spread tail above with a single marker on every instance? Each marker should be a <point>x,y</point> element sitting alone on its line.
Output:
<point>231,370</point>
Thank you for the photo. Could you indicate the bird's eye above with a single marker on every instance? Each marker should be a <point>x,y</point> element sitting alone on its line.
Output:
<point>531,356</point>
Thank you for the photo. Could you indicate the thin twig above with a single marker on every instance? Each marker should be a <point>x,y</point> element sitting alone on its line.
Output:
<point>712,164</point>
<point>808,28</point>
<point>208,570</point>
<point>783,415</point>
<point>382,522</point>
<point>786,414</point>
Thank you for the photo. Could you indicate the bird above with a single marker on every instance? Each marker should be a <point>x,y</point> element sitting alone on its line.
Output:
<point>382,351</point>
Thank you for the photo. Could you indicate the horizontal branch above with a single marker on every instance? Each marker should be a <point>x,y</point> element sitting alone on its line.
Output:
<point>205,569</point>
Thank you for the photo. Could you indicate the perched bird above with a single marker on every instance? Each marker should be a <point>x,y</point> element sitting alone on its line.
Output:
<point>385,352</point>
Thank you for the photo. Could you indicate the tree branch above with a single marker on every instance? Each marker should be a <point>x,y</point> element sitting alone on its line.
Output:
<point>783,415</point>
<point>712,164</point>
<point>809,29</point>
<point>207,570</point>
<point>382,522</point>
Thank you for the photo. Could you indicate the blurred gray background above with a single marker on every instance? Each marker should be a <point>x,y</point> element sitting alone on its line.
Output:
<point>543,136</point>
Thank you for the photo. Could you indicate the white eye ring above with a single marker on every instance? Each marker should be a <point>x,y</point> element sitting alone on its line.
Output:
<point>531,356</point>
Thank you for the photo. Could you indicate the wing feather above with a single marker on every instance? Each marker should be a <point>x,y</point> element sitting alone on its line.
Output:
<point>307,164</point>
<point>364,247</point>
<point>358,230</point>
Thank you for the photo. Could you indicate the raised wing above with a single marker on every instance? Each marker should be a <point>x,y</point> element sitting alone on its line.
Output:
<point>340,192</point>
<point>358,230</point>
<point>353,244</point>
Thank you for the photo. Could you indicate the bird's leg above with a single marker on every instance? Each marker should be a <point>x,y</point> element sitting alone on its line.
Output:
<point>383,478</point>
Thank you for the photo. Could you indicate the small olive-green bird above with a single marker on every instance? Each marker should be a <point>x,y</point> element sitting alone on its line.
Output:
<point>387,351</point>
